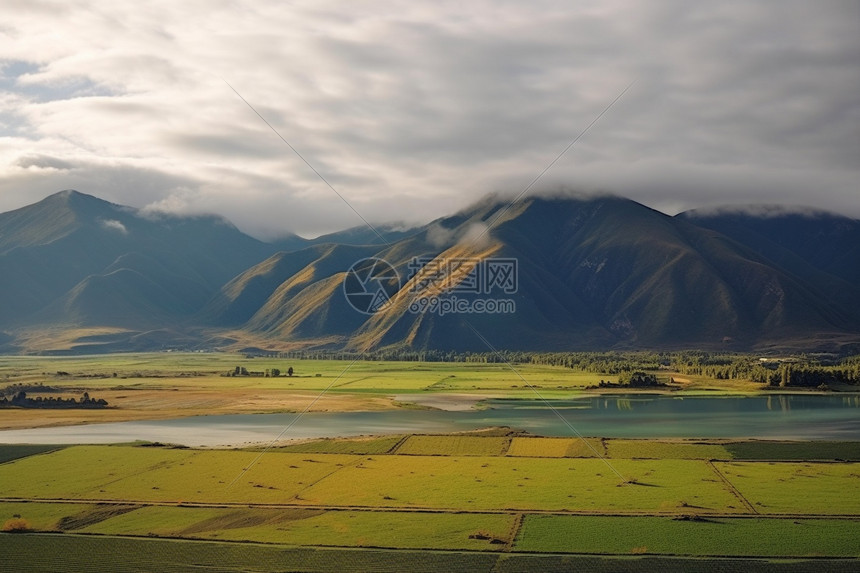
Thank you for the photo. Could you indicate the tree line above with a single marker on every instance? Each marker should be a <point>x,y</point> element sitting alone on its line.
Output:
<point>21,400</point>
<point>801,370</point>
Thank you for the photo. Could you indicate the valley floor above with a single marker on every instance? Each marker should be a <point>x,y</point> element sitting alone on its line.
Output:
<point>481,494</point>
<point>153,386</point>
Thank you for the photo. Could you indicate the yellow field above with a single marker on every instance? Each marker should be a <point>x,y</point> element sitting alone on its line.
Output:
<point>454,446</point>
<point>556,447</point>
<point>506,502</point>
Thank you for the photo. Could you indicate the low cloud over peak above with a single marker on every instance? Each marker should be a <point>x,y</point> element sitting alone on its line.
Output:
<point>413,111</point>
<point>114,225</point>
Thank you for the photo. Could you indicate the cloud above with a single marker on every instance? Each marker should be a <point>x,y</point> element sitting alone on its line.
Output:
<point>476,235</point>
<point>760,211</point>
<point>44,162</point>
<point>114,225</point>
<point>441,237</point>
<point>413,111</point>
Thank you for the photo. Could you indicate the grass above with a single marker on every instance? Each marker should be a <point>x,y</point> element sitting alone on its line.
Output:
<point>471,503</point>
<point>713,537</point>
<point>362,446</point>
<point>454,445</point>
<point>476,483</point>
<point>192,369</point>
<point>172,385</point>
<point>51,553</point>
<point>761,450</point>
<point>10,452</point>
<point>786,487</point>
<point>419,494</point>
<point>667,450</point>
<point>141,386</point>
<point>555,447</point>
<point>139,475</point>
<point>156,474</point>
<point>317,527</point>
<point>41,516</point>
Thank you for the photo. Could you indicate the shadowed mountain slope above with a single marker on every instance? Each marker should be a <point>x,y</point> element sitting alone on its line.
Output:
<point>592,273</point>
<point>588,273</point>
<point>76,259</point>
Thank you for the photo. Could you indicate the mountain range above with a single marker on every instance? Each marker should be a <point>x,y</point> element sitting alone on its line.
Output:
<point>79,274</point>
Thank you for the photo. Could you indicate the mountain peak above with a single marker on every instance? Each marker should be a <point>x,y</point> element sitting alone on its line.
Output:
<point>66,193</point>
<point>77,201</point>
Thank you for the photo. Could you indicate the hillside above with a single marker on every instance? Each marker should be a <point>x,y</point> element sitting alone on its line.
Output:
<point>73,259</point>
<point>827,242</point>
<point>593,273</point>
<point>589,273</point>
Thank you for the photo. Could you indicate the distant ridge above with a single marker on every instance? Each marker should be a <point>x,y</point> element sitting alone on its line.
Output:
<point>826,241</point>
<point>593,273</point>
<point>74,259</point>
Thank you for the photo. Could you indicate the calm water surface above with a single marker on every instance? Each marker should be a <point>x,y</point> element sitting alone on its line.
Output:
<point>811,417</point>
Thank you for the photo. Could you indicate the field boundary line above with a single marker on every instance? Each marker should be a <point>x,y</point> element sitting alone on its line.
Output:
<point>297,495</point>
<point>348,382</point>
<point>393,449</point>
<point>507,447</point>
<point>515,530</point>
<point>732,487</point>
<point>407,509</point>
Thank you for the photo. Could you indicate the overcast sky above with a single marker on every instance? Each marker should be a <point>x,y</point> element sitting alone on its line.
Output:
<point>412,110</point>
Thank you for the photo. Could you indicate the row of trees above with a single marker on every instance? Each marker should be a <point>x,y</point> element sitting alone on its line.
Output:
<point>21,400</point>
<point>801,370</point>
<point>13,389</point>
<point>268,373</point>
<point>633,380</point>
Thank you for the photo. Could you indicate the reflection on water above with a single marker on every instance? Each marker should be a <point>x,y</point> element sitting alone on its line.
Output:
<point>816,417</point>
<point>782,402</point>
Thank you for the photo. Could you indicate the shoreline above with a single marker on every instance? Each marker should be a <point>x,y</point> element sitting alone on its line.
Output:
<point>441,401</point>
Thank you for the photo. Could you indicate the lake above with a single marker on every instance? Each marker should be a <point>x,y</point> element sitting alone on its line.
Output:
<point>778,416</point>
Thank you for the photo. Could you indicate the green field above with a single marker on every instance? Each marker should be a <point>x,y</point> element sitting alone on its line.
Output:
<point>197,372</point>
<point>476,494</point>
<point>14,452</point>
<point>41,516</point>
<point>155,474</point>
<point>473,482</point>
<point>736,537</point>
<point>782,487</point>
<point>519,484</point>
<point>189,369</point>
<point>671,450</point>
<point>52,553</point>
<point>406,530</point>
<point>483,501</point>
<point>758,450</point>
